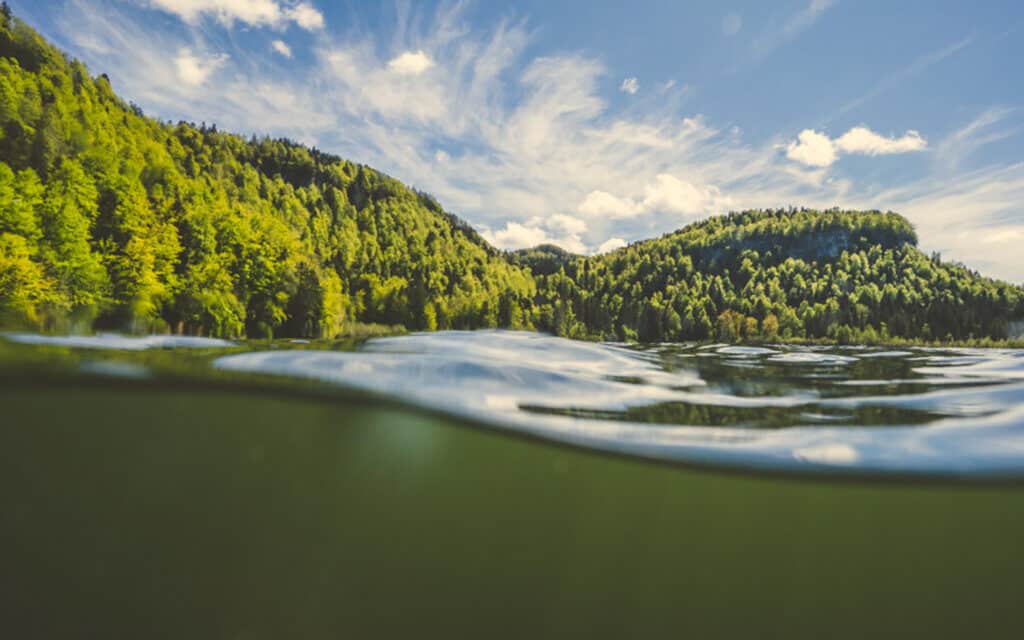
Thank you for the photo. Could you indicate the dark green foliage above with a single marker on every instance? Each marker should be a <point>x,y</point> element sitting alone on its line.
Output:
<point>112,219</point>
<point>767,275</point>
<point>542,260</point>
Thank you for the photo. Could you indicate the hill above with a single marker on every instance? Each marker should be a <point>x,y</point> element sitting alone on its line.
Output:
<point>784,274</point>
<point>113,220</point>
<point>543,259</point>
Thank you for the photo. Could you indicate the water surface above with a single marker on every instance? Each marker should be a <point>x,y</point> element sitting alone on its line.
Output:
<point>306,490</point>
<point>800,409</point>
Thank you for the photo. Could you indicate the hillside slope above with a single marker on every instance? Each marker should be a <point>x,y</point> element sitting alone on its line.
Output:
<point>766,275</point>
<point>113,219</point>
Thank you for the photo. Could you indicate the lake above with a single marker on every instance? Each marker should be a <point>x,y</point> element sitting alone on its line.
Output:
<point>507,484</point>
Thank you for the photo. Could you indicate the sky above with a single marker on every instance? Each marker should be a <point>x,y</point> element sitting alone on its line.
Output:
<point>593,124</point>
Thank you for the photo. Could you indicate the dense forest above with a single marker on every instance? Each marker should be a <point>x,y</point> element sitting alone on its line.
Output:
<point>768,275</point>
<point>113,220</point>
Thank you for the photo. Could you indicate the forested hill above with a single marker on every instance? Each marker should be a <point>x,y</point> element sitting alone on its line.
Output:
<point>112,220</point>
<point>766,275</point>
<point>115,220</point>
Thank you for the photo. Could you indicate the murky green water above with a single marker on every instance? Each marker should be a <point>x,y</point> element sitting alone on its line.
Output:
<point>142,499</point>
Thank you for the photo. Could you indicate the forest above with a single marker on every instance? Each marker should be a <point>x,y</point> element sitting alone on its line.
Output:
<point>110,219</point>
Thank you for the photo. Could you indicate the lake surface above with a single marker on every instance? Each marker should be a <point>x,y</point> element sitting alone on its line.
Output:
<point>798,409</point>
<point>943,412</point>
<point>170,487</point>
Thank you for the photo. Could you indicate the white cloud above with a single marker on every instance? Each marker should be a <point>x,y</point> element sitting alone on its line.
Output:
<point>732,23</point>
<point>962,143</point>
<point>281,47</point>
<point>664,194</point>
<point>630,86</point>
<point>1005,235</point>
<point>558,229</point>
<point>257,13</point>
<point>194,70</point>
<point>865,141</point>
<point>611,244</point>
<point>603,204</point>
<point>411,63</point>
<point>812,149</point>
<point>816,149</point>
<point>566,224</point>
<point>517,236</point>
<point>672,195</point>
<point>306,16</point>
<point>976,217</point>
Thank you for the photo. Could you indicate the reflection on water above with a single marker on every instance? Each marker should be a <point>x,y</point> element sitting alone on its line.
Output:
<point>806,409</point>
<point>796,408</point>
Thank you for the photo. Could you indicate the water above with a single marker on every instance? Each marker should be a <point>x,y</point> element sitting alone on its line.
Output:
<point>797,409</point>
<point>267,490</point>
<point>868,411</point>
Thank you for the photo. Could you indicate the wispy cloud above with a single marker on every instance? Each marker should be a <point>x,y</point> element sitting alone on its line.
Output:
<point>194,69</point>
<point>776,35</point>
<point>532,148</point>
<point>973,217</point>
<point>900,76</point>
<point>732,23</point>
<point>962,143</point>
<point>257,13</point>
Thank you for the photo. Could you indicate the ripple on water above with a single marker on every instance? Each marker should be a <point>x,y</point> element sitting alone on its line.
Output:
<point>500,378</point>
<point>859,410</point>
<point>118,342</point>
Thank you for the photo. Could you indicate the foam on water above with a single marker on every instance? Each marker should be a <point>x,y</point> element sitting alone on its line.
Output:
<point>963,415</point>
<point>118,342</point>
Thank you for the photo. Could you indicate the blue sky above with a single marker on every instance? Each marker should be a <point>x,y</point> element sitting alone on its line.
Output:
<point>593,124</point>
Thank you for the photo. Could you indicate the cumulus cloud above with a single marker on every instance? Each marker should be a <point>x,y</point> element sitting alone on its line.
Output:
<point>665,194</point>
<point>558,229</point>
<point>670,194</point>
<point>603,204</point>
<point>865,141</point>
<point>306,16</point>
<point>410,63</point>
<point>611,244</point>
<point>812,149</point>
<point>282,48</point>
<point>257,13</point>
<point>194,70</point>
<point>816,149</point>
<point>630,86</point>
<point>516,236</point>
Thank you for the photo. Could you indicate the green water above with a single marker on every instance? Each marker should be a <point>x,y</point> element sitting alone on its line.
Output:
<point>136,511</point>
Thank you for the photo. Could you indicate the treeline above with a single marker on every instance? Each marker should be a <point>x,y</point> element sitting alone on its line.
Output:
<point>769,275</point>
<point>112,220</point>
